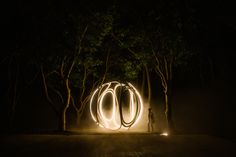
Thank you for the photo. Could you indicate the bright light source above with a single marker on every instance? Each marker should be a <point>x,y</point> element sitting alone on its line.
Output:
<point>164,134</point>
<point>117,117</point>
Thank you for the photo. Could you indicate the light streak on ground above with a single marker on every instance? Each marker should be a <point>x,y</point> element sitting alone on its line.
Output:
<point>118,117</point>
<point>164,134</point>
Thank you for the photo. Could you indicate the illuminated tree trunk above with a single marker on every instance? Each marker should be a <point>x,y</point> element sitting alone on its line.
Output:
<point>62,121</point>
<point>67,103</point>
<point>168,109</point>
<point>164,68</point>
<point>143,83</point>
<point>63,93</point>
<point>60,111</point>
<point>148,85</point>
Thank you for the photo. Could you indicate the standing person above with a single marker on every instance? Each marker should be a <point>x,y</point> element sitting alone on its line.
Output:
<point>150,120</point>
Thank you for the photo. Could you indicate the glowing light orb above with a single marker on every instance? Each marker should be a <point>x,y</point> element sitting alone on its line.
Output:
<point>164,134</point>
<point>122,110</point>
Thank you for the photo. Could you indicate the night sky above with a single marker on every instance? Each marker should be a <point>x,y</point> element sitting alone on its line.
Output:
<point>203,97</point>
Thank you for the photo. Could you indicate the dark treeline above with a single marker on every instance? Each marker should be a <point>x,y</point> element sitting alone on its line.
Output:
<point>60,52</point>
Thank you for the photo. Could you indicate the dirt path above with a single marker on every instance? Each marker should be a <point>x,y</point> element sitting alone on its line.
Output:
<point>115,145</point>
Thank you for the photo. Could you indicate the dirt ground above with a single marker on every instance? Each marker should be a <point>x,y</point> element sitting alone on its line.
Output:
<point>115,145</point>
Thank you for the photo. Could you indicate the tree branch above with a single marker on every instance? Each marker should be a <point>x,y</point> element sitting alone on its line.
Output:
<point>62,67</point>
<point>106,68</point>
<point>83,83</point>
<point>166,68</point>
<point>159,71</point>
<point>46,92</point>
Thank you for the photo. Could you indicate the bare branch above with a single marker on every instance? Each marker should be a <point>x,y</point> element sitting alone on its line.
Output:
<point>163,82</point>
<point>68,94</point>
<point>83,83</point>
<point>166,68</point>
<point>83,104</point>
<point>59,94</point>
<point>83,34</point>
<point>70,69</point>
<point>171,67</point>
<point>106,68</point>
<point>73,104</point>
<point>78,45</point>
<point>159,71</point>
<point>46,92</point>
<point>62,67</point>
<point>74,60</point>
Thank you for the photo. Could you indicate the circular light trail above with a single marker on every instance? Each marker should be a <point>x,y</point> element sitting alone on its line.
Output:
<point>124,111</point>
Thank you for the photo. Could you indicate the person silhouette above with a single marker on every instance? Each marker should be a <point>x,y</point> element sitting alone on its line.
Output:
<point>150,120</point>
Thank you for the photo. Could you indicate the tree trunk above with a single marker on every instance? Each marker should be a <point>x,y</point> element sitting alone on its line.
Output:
<point>64,119</point>
<point>143,83</point>
<point>168,113</point>
<point>62,123</point>
<point>149,85</point>
<point>66,105</point>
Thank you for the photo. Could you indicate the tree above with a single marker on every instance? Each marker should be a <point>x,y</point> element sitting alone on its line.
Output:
<point>135,45</point>
<point>77,65</point>
<point>158,42</point>
<point>171,54</point>
<point>19,75</point>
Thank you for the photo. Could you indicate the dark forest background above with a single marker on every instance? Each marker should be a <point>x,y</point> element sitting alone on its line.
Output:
<point>42,34</point>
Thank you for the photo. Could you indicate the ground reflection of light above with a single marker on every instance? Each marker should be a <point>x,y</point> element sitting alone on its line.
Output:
<point>118,118</point>
<point>164,134</point>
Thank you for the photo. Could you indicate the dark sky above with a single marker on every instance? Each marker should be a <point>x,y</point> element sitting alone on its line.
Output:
<point>216,19</point>
<point>36,26</point>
